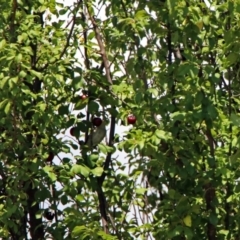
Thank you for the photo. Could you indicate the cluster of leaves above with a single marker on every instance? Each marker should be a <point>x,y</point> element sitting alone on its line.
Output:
<point>174,65</point>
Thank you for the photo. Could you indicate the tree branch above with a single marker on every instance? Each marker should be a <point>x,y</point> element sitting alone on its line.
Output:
<point>109,78</point>
<point>87,64</point>
<point>101,196</point>
<point>68,38</point>
<point>102,49</point>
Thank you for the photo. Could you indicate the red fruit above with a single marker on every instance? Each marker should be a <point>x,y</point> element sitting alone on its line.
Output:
<point>83,97</point>
<point>131,119</point>
<point>97,121</point>
<point>50,157</point>
<point>72,131</point>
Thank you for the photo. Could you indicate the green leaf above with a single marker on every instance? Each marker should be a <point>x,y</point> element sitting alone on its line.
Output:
<point>79,198</point>
<point>206,20</point>
<point>93,158</point>
<point>224,232</point>
<point>127,21</point>
<point>178,115</point>
<point>235,157</point>
<point>63,110</point>
<point>213,219</point>
<point>93,107</point>
<point>78,230</point>
<point>7,108</point>
<point>80,105</point>
<point>232,58</point>
<point>3,82</point>
<point>36,74</point>
<point>235,119</point>
<point>83,126</point>
<point>97,171</point>
<point>49,170</point>
<point>105,149</point>
<point>140,14</point>
<point>2,44</point>
<point>141,144</point>
<point>64,199</point>
<point>80,169</point>
<point>230,199</point>
<point>52,7</point>
<point>175,232</point>
<point>3,103</point>
<point>42,106</point>
<point>187,221</point>
<point>141,191</point>
<point>188,233</point>
<point>77,82</point>
<point>162,134</point>
<point>154,91</point>
<point>102,148</point>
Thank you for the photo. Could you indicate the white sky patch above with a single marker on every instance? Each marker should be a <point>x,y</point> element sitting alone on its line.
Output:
<point>209,5</point>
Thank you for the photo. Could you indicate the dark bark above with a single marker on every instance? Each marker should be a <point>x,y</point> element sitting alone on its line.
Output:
<point>36,226</point>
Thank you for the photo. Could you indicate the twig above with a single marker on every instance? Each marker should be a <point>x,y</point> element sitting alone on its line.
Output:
<point>87,64</point>
<point>68,38</point>
<point>124,9</point>
<point>102,49</point>
<point>69,23</point>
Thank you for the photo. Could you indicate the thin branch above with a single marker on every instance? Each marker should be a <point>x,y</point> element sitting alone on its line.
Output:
<point>114,58</point>
<point>103,207</point>
<point>102,49</point>
<point>68,38</point>
<point>124,9</point>
<point>53,191</point>
<point>69,23</point>
<point>101,196</point>
<point>109,79</point>
<point>87,64</point>
<point>113,225</point>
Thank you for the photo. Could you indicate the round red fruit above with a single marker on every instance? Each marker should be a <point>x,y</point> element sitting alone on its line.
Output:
<point>83,97</point>
<point>50,157</point>
<point>131,119</point>
<point>72,131</point>
<point>97,121</point>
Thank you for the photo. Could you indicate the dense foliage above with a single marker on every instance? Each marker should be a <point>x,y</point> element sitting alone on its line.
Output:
<point>174,174</point>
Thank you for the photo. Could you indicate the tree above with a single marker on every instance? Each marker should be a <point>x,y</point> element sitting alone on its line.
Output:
<point>173,65</point>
